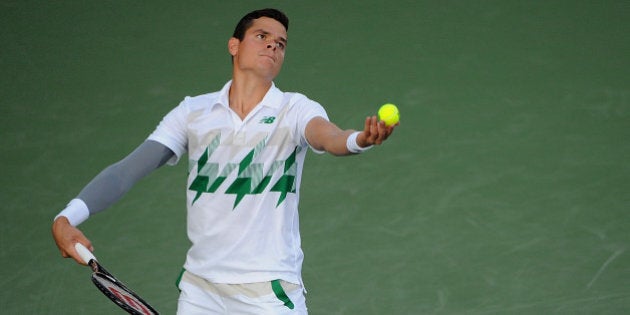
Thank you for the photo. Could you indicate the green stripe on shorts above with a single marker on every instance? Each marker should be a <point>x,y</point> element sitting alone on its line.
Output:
<point>281,295</point>
<point>179,279</point>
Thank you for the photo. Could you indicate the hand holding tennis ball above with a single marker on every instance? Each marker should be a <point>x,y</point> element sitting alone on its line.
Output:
<point>389,114</point>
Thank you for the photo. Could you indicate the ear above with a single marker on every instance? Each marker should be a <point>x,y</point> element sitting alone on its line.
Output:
<point>233,44</point>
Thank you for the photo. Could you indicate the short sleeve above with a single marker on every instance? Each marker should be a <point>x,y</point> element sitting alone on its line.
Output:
<point>307,109</point>
<point>171,132</point>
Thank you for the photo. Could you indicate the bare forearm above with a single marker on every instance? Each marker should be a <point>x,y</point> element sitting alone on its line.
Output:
<point>323,135</point>
<point>338,144</point>
<point>326,136</point>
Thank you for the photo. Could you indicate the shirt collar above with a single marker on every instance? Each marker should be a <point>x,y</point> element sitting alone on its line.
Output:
<point>273,97</point>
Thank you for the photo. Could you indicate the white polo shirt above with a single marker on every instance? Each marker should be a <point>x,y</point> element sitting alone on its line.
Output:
<point>243,183</point>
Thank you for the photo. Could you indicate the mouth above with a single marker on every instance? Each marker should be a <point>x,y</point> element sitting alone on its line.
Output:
<point>269,56</point>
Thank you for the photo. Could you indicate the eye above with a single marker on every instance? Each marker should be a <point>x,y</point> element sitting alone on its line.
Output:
<point>280,45</point>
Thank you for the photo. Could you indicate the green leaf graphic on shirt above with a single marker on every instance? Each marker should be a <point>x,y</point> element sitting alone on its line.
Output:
<point>250,178</point>
<point>242,185</point>
<point>286,183</point>
<point>206,171</point>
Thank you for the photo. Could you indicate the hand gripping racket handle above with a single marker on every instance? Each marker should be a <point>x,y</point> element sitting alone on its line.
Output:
<point>85,253</point>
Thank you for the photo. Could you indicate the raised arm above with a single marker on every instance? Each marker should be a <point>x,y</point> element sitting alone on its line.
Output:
<point>323,135</point>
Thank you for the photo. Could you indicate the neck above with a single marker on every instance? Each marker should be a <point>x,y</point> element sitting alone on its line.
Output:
<point>245,94</point>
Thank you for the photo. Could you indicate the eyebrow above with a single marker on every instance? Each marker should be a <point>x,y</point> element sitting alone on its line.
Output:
<point>281,38</point>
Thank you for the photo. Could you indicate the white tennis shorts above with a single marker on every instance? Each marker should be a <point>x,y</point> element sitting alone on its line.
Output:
<point>277,297</point>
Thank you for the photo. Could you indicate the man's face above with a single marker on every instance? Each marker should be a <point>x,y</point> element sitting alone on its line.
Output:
<point>262,48</point>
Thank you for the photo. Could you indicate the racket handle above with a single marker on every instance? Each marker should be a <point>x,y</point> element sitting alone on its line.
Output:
<point>85,253</point>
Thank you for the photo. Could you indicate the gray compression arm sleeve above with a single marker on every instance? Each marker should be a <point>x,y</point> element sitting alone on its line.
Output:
<point>115,180</point>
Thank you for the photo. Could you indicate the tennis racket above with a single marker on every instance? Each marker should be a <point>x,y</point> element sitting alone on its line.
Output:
<point>112,288</point>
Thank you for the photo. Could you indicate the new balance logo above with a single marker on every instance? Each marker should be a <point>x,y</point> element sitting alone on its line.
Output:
<point>267,120</point>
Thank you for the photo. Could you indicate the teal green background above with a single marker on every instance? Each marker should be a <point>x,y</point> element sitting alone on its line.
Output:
<point>505,190</point>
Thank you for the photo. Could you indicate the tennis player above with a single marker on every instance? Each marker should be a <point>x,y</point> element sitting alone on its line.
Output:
<point>246,145</point>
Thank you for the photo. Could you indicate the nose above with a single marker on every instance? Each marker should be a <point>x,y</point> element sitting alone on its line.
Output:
<point>272,45</point>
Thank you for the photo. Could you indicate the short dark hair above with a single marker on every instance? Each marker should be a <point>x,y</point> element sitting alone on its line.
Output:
<point>246,22</point>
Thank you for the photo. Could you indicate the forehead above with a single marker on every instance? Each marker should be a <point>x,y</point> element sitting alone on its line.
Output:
<point>268,25</point>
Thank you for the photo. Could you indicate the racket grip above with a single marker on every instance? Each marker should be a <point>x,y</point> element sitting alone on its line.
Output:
<point>85,253</point>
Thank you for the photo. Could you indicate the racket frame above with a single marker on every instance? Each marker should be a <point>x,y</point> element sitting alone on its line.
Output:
<point>116,291</point>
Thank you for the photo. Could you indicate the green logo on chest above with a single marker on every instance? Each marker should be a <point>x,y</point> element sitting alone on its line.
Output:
<point>267,120</point>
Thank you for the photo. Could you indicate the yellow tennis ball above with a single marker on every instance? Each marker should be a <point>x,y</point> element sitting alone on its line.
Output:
<point>389,114</point>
